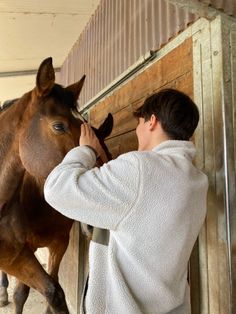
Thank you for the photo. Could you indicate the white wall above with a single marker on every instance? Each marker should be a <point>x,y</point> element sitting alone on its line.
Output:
<point>16,86</point>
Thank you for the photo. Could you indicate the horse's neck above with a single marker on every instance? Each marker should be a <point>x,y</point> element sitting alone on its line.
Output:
<point>11,175</point>
<point>11,168</point>
<point>16,182</point>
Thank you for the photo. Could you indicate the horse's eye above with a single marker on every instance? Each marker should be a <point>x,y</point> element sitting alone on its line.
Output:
<point>59,127</point>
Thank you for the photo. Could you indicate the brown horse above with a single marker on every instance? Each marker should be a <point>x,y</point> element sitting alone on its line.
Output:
<point>36,132</point>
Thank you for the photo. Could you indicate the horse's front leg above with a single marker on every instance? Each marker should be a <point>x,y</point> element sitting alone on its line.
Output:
<point>56,251</point>
<point>26,268</point>
<point>3,289</point>
<point>20,296</point>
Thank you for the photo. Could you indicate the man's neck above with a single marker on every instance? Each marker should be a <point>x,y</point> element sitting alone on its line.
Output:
<point>155,141</point>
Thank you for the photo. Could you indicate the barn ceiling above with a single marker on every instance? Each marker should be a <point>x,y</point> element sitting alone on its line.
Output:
<point>31,30</point>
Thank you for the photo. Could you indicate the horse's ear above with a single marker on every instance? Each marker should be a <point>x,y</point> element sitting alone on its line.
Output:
<point>105,129</point>
<point>45,79</point>
<point>76,87</point>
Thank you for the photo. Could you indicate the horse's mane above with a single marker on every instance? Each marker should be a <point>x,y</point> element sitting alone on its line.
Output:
<point>67,97</point>
<point>7,104</point>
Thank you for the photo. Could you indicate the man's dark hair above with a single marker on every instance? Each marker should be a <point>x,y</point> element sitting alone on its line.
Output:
<point>176,112</point>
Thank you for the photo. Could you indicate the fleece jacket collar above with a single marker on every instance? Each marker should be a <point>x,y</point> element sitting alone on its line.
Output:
<point>184,149</point>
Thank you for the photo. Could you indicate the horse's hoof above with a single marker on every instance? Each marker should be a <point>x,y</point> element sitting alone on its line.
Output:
<point>3,297</point>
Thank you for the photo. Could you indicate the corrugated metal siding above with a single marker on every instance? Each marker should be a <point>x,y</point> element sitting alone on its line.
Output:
<point>118,34</point>
<point>227,6</point>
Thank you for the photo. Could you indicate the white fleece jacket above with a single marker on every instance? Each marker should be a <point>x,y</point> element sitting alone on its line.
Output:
<point>150,206</point>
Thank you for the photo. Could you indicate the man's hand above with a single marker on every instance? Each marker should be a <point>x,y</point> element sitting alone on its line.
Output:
<point>88,137</point>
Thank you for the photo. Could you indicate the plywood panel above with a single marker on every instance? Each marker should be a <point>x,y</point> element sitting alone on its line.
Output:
<point>123,143</point>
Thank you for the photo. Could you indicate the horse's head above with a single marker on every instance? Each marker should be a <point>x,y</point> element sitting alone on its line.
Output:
<point>49,129</point>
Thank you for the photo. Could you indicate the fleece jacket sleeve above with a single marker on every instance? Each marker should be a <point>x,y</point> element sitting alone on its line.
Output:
<point>101,197</point>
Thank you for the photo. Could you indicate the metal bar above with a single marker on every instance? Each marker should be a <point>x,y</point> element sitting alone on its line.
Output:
<point>131,71</point>
<point>229,155</point>
<point>23,73</point>
<point>227,204</point>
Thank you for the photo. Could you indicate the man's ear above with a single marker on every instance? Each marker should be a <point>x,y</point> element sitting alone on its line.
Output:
<point>153,121</point>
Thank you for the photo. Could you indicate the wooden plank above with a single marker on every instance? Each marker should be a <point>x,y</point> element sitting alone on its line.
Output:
<point>210,101</point>
<point>209,168</point>
<point>124,121</point>
<point>217,74</point>
<point>228,104</point>
<point>200,162</point>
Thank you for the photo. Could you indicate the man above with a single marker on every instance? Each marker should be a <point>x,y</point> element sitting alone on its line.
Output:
<point>149,206</point>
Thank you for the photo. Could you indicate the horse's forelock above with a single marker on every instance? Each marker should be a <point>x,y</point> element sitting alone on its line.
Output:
<point>63,96</point>
<point>66,97</point>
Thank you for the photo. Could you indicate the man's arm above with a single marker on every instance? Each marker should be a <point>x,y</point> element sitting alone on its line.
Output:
<point>101,197</point>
